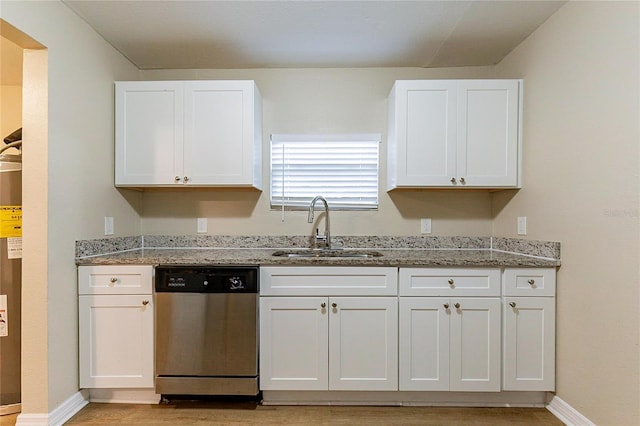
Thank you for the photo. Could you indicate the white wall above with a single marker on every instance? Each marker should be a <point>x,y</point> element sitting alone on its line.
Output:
<point>68,186</point>
<point>581,163</point>
<point>323,101</point>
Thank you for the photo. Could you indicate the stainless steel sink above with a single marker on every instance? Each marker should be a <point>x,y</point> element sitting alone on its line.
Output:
<point>324,253</point>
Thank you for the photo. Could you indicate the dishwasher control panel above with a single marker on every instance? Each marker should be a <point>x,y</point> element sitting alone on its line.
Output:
<point>206,279</point>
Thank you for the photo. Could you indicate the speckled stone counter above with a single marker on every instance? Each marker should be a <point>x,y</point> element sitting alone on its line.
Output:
<point>396,251</point>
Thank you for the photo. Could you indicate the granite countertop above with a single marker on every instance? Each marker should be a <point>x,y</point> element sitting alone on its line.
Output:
<point>422,257</point>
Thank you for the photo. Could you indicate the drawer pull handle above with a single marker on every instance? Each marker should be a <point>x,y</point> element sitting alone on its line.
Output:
<point>145,302</point>
<point>462,181</point>
<point>451,282</point>
<point>512,304</point>
<point>114,279</point>
<point>453,181</point>
<point>323,305</point>
<point>446,306</point>
<point>334,305</point>
<point>457,305</point>
<point>531,282</point>
<point>177,179</point>
<point>186,179</point>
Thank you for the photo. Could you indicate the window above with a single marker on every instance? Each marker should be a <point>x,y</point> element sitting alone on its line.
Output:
<point>341,168</point>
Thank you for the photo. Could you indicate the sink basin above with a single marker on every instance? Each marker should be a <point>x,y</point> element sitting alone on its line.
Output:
<point>323,253</point>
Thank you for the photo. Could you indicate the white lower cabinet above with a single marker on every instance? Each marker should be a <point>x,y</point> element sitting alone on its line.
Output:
<point>363,342</point>
<point>529,343</point>
<point>322,342</point>
<point>529,337</point>
<point>115,328</point>
<point>328,343</point>
<point>449,344</point>
<point>432,334</point>
<point>294,339</point>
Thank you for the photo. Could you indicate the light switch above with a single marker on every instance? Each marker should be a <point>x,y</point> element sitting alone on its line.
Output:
<point>425,226</point>
<point>108,225</point>
<point>202,225</point>
<point>522,225</point>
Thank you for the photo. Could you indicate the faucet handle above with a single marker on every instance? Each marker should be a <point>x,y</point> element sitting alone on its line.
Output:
<point>320,238</point>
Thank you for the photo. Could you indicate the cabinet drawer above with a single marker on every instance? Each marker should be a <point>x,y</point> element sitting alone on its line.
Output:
<point>118,279</point>
<point>530,282</point>
<point>328,281</point>
<point>449,282</point>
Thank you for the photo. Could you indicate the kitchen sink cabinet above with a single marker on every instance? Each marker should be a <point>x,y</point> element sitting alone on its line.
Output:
<point>328,343</point>
<point>115,314</point>
<point>188,133</point>
<point>529,329</point>
<point>294,339</point>
<point>454,134</point>
<point>322,342</point>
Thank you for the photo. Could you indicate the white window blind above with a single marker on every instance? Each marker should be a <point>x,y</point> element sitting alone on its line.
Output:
<point>341,168</point>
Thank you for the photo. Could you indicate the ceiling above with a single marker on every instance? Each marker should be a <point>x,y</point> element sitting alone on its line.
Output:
<point>283,34</point>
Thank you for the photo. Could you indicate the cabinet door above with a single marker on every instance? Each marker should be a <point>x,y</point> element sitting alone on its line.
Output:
<point>116,341</point>
<point>363,344</point>
<point>294,333</point>
<point>488,132</point>
<point>529,343</point>
<point>424,344</point>
<point>219,132</point>
<point>475,344</point>
<point>424,151</point>
<point>149,133</point>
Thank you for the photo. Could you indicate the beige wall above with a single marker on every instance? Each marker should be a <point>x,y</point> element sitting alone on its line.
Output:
<point>581,152</point>
<point>10,112</point>
<point>320,101</point>
<point>10,89</point>
<point>68,185</point>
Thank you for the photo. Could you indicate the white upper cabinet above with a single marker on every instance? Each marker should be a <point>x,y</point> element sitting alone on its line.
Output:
<point>188,133</point>
<point>454,134</point>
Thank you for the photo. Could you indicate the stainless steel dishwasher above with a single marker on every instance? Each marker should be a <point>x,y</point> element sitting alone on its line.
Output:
<point>206,330</point>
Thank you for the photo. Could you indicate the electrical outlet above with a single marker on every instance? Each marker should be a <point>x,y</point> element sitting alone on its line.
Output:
<point>202,225</point>
<point>425,226</point>
<point>108,225</point>
<point>522,225</point>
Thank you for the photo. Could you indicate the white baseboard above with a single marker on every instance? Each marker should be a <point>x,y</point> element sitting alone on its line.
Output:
<point>567,414</point>
<point>59,415</point>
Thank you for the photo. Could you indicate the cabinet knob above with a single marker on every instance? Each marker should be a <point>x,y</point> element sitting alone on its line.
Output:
<point>323,305</point>
<point>457,305</point>
<point>145,302</point>
<point>334,305</point>
<point>186,179</point>
<point>462,181</point>
<point>451,282</point>
<point>512,304</point>
<point>453,181</point>
<point>531,282</point>
<point>446,306</point>
<point>114,280</point>
<point>177,179</point>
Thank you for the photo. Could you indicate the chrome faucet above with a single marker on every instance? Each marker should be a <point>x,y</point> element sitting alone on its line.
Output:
<point>326,238</point>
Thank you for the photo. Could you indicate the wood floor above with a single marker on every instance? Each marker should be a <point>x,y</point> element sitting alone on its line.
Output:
<point>220,413</point>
